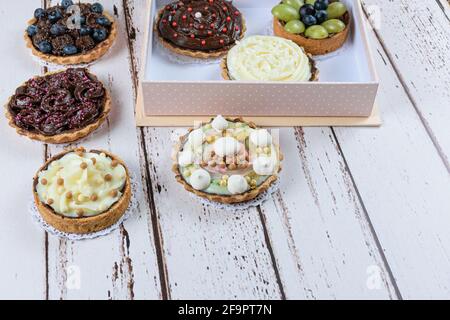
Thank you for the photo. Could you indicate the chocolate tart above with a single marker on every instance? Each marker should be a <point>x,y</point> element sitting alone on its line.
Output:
<point>314,71</point>
<point>80,128</point>
<point>88,49</point>
<point>83,225</point>
<point>314,46</point>
<point>196,36</point>
<point>225,199</point>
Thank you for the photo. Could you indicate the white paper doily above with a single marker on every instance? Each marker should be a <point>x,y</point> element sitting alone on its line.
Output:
<point>132,208</point>
<point>244,205</point>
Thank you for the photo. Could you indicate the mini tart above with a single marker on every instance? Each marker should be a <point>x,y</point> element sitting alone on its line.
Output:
<point>66,136</point>
<point>226,74</point>
<point>314,46</point>
<point>89,56</point>
<point>83,224</point>
<point>226,197</point>
<point>235,28</point>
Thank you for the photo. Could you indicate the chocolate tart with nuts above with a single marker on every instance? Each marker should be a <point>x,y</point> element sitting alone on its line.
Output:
<point>59,107</point>
<point>227,160</point>
<point>82,192</point>
<point>58,36</point>
<point>199,28</point>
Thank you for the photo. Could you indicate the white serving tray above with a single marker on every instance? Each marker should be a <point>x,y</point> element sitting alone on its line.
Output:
<point>173,93</point>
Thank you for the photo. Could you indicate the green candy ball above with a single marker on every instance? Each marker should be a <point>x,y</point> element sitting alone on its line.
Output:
<point>336,10</point>
<point>334,25</point>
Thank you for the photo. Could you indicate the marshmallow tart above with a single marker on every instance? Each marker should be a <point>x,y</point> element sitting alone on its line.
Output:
<point>70,33</point>
<point>199,28</point>
<point>81,191</point>
<point>227,160</point>
<point>59,107</point>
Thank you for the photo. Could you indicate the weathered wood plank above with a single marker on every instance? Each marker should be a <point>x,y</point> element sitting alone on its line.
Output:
<point>416,38</point>
<point>404,184</point>
<point>324,245</point>
<point>22,249</point>
<point>123,264</point>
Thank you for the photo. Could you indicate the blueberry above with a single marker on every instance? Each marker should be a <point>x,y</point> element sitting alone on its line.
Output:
<point>32,30</point>
<point>45,47</point>
<point>54,15</point>
<point>307,10</point>
<point>85,30</point>
<point>39,13</point>
<point>321,16</point>
<point>97,8</point>
<point>66,3</point>
<point>57,29</point>
<point>103,21</point>
<point>99,35</point>
<point>321,5</point>
<point>69,50</point>
<point>309,20</point>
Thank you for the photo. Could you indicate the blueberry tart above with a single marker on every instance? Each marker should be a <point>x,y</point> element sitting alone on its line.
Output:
<point>319,26</point>
<point>268,58</point>
<point>200,28</point>
<point>227,160</point>
<point>70,34</point>
<point>82,192</point>
<point>59,107</point>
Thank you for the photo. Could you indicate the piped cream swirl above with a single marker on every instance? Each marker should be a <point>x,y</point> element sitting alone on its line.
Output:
<point>268,58</point>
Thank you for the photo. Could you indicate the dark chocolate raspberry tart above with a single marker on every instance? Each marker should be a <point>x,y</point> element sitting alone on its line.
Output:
<point>70,34</point>
<point>200,28</point>
<point>59,107</point>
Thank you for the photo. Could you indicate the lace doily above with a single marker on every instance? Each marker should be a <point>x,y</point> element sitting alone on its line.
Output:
<point>132,208</point>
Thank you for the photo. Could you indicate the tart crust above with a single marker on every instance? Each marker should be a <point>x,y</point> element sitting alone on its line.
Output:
<point>96,53</point>
<point>66,136</point>
<point>314,46</point>
<point>314,70</point>
<point>194,53</point>
<point>238,198</point>
<point>83,225</point>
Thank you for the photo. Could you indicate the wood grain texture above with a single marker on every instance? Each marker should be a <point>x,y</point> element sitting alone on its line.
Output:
<point>22,249</point>
<point>323,243</point>
<point>404,185</point>
<point>416,39</point>
<point>121,265</point>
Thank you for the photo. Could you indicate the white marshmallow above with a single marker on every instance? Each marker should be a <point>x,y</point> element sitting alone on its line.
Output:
<point>185,158</point>
<point>196,137</point>
<point>226,146</point>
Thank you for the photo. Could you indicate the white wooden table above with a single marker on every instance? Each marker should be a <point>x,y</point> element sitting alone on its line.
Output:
<point>361,212</point>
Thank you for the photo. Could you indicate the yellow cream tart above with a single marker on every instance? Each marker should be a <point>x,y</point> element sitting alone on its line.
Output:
<point>227,160</point>
<point>82,192</point>
<point>268,58</point>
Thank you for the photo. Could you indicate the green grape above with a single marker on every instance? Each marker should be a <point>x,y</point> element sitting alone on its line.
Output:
<point>296,4</point>
<point>334,25</point>
<point>336,10</point>
<point>285,13</point>
<point>311,2</point>
<point>295,27</point>
<point>316,32</point>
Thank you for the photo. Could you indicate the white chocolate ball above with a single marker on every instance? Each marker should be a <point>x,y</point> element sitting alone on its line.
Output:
<point>264,166</point>
<point>237,184</point>
<point>260,138</point>
<point>219,123</point>
<point>226,146</point>
<point>200,179</point>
